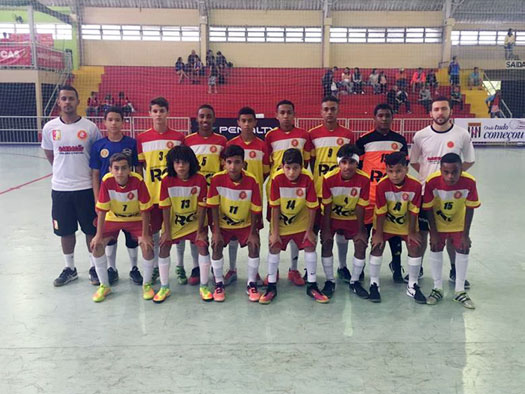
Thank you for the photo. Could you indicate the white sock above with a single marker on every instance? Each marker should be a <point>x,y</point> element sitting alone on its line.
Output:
<point>310,260</point>
<point>147,268</point>
<point>461,270</point>
<point>156,248</point>
<point>101,266</point>
<point>414,265</point>
<point>375,268</point>
<point>91,259</point>
<point>328,267</point>
<point>218,266</point>
<point>204,268</point>
<point>180,253</point>
<point>253,268</point>
<point>436,265</point>
<point>133,254</point>
<point>164,270</point>
<point>111,254</point>
<point>233,247</point>
<point>194,255</point>
<point>273,266</point>
<point>342,249</point>
<point>357,268</point>
<point>294,256</point>
<point>70,260</point>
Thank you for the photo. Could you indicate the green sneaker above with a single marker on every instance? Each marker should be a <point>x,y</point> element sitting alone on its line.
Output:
<point>161,295</point>
<point>205,293</point>
<point>181,275</point>
<point>463,298</point>
<point>101,293</point>
<point>147,292</point>
<point>435,296</point>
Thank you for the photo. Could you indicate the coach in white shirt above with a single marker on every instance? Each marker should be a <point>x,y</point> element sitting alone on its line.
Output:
<point>429,146</point>
<point>67,141</point>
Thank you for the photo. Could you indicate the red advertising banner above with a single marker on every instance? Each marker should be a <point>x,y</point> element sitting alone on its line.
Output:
<point>15,55</point>
<point>49,58</point>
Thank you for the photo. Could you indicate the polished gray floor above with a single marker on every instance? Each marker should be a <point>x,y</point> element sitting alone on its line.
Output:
<point>56,340</point>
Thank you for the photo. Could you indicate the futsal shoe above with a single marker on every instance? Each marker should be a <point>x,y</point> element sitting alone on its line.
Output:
<point>313,291</point>
<point>101,293</point>
<point>463,298</point>
<point>344,274</point>
<point>218,294</point>
<point>195,279</point>
<point>67,275</point>
<point>180,273</point>
<point>135,276</point>
<point>269,295</point>
<point>93,277</point>
<point>295,277</point>
<point>205,293</point>
<point>397,272</point>
<point>374,293</point>
<point>416,294</point>
<point>112,275</point>
<point>163,293</point>
<point>147,292</point>
<point>329,288</point>
<point>435,296</point>
<point>358,289</point>
<point>253,293</point>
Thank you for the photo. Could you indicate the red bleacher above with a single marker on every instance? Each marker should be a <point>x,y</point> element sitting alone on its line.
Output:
<point>260,88</point>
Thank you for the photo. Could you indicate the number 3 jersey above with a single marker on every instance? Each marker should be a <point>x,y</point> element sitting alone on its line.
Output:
<point>449,203</point>
<point>397,203</point>
<point>183,198</point>
<point>123,203</point>
<point>235,200</point>
<point>152,148</point>
<point>208,151</point>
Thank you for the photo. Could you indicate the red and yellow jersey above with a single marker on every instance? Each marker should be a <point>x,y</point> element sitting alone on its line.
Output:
<point>236,201</point>
<point>255,156</point>
<point>208,151</point>
<point>183,198</point>
<point>449,203</point>
<point>345,194</point>
<point>324,146</point>
<point>123,203</point>
<point>152,148</point>
<point>397,202</point>
<point>294,199</point>
<point>373,148</point>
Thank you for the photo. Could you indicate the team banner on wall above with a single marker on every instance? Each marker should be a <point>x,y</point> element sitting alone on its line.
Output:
<point>228,127</point>
<point>15,55</point>
<point>494,130</point>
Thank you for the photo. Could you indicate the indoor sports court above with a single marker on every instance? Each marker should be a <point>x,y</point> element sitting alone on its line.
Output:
<point>57,340</point>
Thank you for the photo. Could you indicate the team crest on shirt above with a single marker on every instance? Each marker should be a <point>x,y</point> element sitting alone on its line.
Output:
<point>450,144</point>
<point>213,149</point>
<point>170,144</point>
<point>457,195</point>
<point>130,196</point>
<point>104,153</point>
<point>353,192</point>
<point>57,135</point>
<point>194,190</point>
<point>82,134</point>
<point>404,196</point>
<point>300,192</point>
<point>340,141</point>
<point>394,146</point>
<point>294,142</point>
<point>242,195</point>
<point>253,154</point>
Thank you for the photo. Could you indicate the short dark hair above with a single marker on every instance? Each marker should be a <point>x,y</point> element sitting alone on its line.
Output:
<point>246,111</point>
<point>233,150</point>
<point>347,151</point>
<point>284,102</point>
<point>451,158</point>
<point>182,153</point>
<point>119,157</point>
<point>206,106</point>
<point>383,106</point>
<point>330,98</point>
<point>114,109</point>
<point>441,98</point>
<point>396,158</point>
<point>70,88</point>
<point>292,156</point>
<point>161,102</point>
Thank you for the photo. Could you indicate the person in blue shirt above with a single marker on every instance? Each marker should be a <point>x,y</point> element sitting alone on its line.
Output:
<point>101,151</point>
<point>453,71</point>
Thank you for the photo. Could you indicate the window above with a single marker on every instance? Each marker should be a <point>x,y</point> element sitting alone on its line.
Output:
<point>484,37</point>
<point>391,35</point>
<point>140,33</point>
<point>59,31</point>
<point>265,34</point>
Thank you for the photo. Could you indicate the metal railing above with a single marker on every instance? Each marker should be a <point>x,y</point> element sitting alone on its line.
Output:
<point>492,90</point>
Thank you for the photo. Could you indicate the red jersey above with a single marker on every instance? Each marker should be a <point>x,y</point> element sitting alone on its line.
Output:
<point>208,151</point>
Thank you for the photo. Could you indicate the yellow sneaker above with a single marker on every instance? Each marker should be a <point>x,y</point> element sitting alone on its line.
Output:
<point>101,293</point>
<point>205,293</point>
<point>147,291</point>
<point>161,295</point>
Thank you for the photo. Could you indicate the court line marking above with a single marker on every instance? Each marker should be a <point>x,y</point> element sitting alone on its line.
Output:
<point>25,184</point>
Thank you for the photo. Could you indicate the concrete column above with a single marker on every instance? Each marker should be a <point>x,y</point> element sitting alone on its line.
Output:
<point>327,24</point>
<point>39,101</point>
<point>446,53</point>
<point>32,35</point>
<point>203,25</point>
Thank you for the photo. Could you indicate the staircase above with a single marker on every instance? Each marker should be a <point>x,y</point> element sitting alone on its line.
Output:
<point>86,80</point>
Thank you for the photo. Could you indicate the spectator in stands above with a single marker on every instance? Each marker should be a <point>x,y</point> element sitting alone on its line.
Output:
<point>401,79</point>
<point>373,80</point>
<point>125,104</point>
<point>419,78</point>
<point>346,80</point>
<point>326,81</point>
<point>197,67</point>
<point>210,58</point>
<point>5,37</point>
<point>179,70</point>
<point>474,79</point>
<point>357,81</point>
<point>391,96</point>
<point>425,98</point>
<point>109,101</point>
<point>402,98</point>
<point>432,81</point>
<point>494,104</point>
<point>213,75</point>
<point>221,61</point>
<point>510,41</point>
<point>92,105</point>
<point>383,81</point>
<point>453,71</point>
<point>192,58</point>
<point>334,87</point>
<point>456,97</point>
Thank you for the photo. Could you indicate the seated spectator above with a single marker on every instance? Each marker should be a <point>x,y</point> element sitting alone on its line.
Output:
<point>391,96</point>
<point>326,81</point>
<point>425,98</point>
<point>401,79</point>
<point>179,70</point>
<point>357,81</point>
<point>93,105</point>
<point>109,101</point>
<point>346,81</point>
<point>198,68</point>
<point>494,104</point>
<point>192,58</point>
<point>419,78</point>
<point>402,98</point>
<point>456,98</point>
<point>475,80</point>
<point>432,81</point>
<point>212,78</point>
<point>125,104</point>
<point>383,81</point>
<point>373,80</point>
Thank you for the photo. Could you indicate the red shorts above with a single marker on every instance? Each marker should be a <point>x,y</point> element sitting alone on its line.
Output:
<point>347,228</point>
<point>192,238</point>
<point>240,234</point>
<point>112,229</point>
<point>387,236</point>
<point>298,239</point>
<point>369,215</point>
<point>454,237</point>
<point>155,219</point>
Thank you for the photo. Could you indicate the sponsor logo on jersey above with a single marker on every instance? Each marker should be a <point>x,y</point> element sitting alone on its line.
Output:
<point>127,151</point>
<point>57,135</point>
<point>77,148</point>
<point>82,134</point>
<point>104,153</point>
<point>457,194</point>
